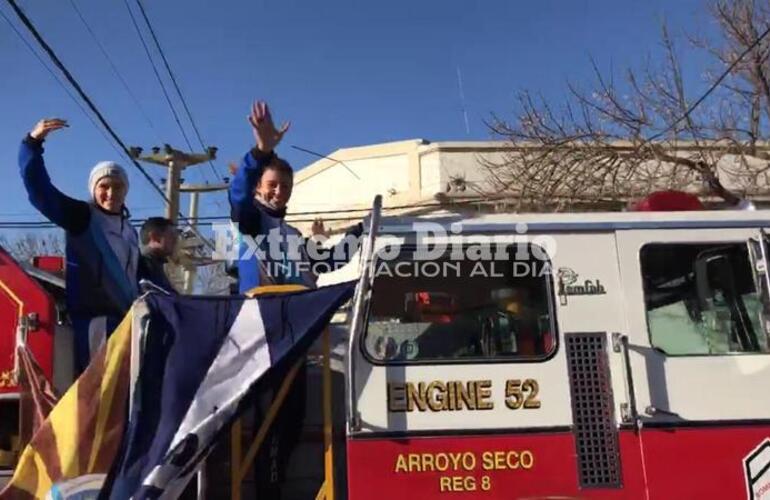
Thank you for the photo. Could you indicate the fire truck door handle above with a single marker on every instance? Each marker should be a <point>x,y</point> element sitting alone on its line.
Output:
<point>654,410</point>
<point>629,413</point>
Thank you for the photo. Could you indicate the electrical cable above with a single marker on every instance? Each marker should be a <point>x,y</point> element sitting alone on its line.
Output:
<point>157,74</point>
<point>58,80</point>
<point>711,89</point>
<point>217,175</point>
<point>71,79</point>
<point>114,68</point>
<point>310,215</point>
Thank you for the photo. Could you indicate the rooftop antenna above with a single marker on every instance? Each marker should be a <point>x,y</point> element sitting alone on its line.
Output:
<point>462,100</point>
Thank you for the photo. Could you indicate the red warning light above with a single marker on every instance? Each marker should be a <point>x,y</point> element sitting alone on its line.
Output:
<point>668,201</point>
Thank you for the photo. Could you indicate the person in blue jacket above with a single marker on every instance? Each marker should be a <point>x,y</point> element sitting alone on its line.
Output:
<point>102,249</point>
<point>259,194</point>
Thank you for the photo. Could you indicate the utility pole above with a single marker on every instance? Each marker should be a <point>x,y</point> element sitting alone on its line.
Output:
<point>176,161</point>
<point>191,269</point>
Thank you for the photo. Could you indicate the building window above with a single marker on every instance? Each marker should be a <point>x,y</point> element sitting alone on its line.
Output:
<point>702,299</point>
<point>459,308</point>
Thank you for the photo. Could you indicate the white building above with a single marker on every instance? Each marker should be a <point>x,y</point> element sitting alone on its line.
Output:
<point>419,177</point>
<point>414,176</point>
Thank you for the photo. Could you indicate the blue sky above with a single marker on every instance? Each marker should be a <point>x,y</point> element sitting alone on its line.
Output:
<point>345,73</point>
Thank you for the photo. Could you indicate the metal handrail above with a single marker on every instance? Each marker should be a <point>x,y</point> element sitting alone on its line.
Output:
<point>620,344</point>
<point>360,300</point>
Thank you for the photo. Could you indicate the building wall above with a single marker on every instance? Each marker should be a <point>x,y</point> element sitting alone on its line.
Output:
<point>419,172</point>
<point>446,162</point>
<point>337,186</point>
<point>405,173</point>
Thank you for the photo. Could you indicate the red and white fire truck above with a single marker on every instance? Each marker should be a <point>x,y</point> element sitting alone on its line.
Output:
<point>592,355</point>
<point>601,355</point>
<point>31,308</point>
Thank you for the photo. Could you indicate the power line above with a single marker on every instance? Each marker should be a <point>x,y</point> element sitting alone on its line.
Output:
<point>33,214</point>
<point>711,89</point>
<point>58,80</point>
<point>71,79</point>
<point>157,74</point>
<point>114,68</point>
<point>138,222</point>
<point>217,175</point>
<point>309,216</point>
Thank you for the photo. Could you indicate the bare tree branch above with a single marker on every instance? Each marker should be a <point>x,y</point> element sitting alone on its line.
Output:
<point>595,146</point>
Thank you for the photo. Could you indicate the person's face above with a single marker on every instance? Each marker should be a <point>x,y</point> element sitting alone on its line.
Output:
<point>275,188</point>
<point>110,194</point>
<point>165,241</point>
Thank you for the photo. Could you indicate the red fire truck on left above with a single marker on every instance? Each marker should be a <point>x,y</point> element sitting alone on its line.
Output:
<point>31,311</point>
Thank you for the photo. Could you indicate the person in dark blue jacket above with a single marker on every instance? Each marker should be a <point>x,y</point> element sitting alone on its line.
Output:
<point>270,251</point>
<point>159,237</point>
<point>102,249</point>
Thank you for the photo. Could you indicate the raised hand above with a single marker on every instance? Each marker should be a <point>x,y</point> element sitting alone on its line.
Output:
<point>266,135</point>
<point>318,229</point>
<point>45,127</point>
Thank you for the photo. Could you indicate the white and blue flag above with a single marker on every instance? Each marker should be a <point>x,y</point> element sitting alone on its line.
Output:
<point>200,356</point>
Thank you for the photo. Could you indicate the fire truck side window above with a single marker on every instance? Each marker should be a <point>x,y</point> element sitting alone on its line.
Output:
<point>702,299</point>
<point>461,309</point>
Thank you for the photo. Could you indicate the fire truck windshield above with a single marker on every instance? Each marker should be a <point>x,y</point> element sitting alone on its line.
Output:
<point>450,308</point>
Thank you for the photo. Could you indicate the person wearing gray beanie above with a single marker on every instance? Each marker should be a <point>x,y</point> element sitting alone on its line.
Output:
<point>108,172</point>
<point>101,245</point>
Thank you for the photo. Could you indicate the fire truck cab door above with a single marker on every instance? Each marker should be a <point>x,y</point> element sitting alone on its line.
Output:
<point>517,437</point>
<point>698,356</point>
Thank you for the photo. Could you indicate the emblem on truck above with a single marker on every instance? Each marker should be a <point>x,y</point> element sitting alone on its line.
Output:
<point>569,285</point>
<point>757,467</point>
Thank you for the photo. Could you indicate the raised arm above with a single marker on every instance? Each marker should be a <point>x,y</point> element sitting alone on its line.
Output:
<point>68,213</point>
<point>266,137</point>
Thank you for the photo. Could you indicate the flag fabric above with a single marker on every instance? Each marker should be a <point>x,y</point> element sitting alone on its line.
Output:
<point>78,442</point>
<point>173,375</point>
<point>36,395</point>
<point>202,356</point>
